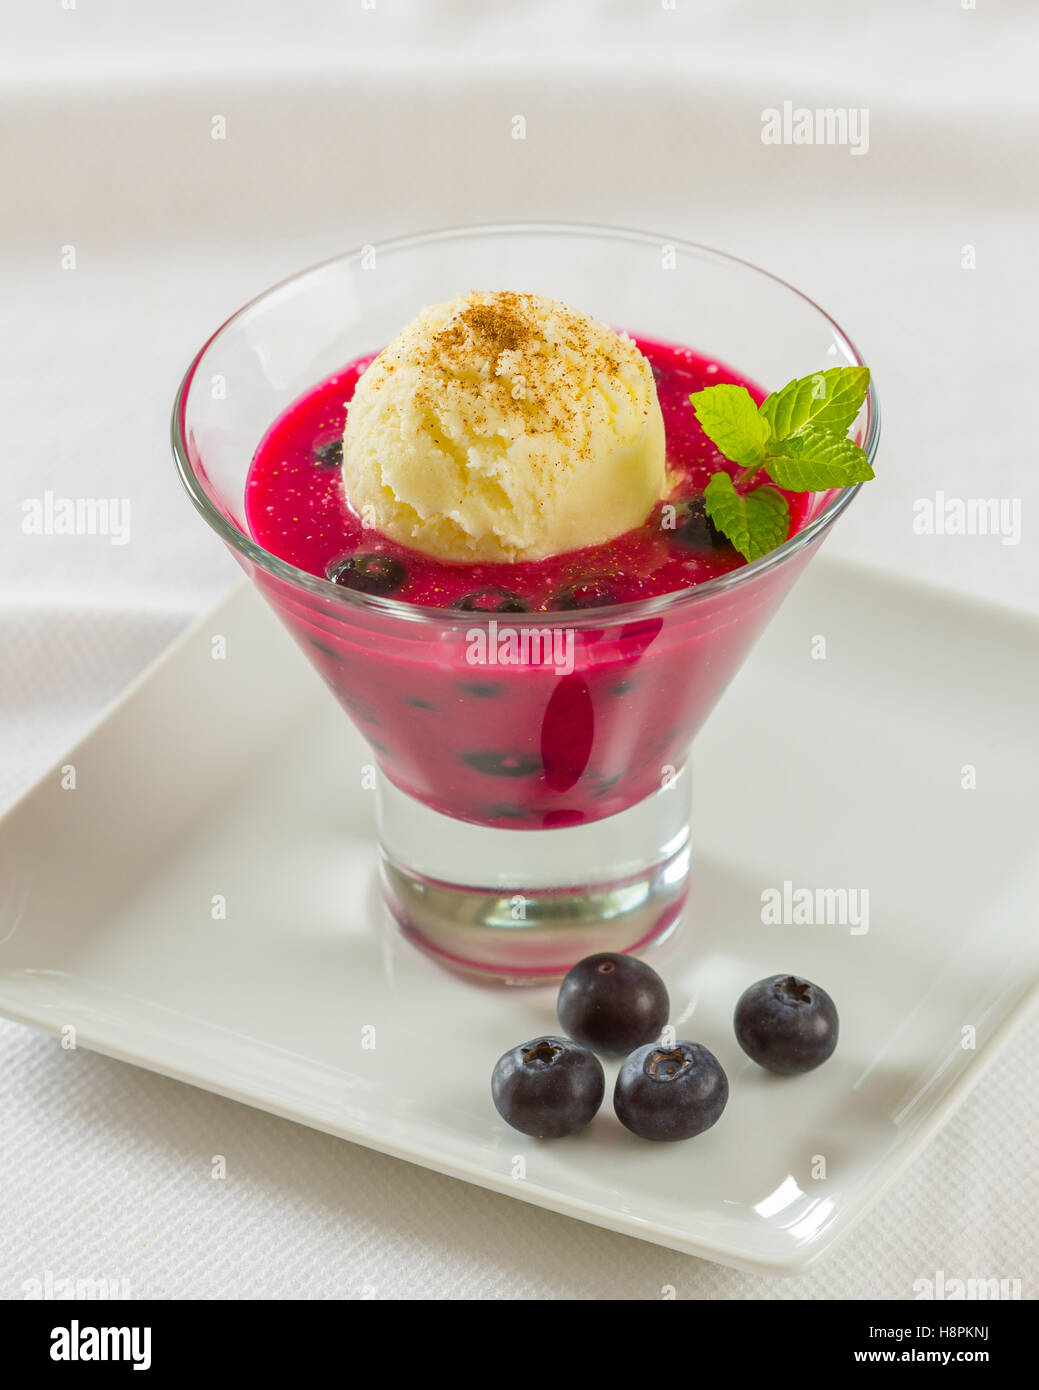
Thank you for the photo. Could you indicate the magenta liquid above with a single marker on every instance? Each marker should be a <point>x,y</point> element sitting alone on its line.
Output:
<point>296,507</point>
<point>524,746</point>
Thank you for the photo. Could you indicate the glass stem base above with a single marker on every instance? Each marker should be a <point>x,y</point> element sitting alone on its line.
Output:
<point>525,905</point>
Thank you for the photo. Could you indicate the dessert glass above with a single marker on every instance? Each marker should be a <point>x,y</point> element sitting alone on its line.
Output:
<point>532,789</point>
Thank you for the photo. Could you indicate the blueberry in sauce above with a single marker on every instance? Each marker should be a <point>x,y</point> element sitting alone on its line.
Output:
<point>491,600</point>
<point>503,764</point>
<point>612,1003</point>
<point>694,529</point>
<point>482,690</point>
<point>786,1024</point>
<point>585,593</point>
<point>605,785</point>
<point>636,638</point>
<point>548,1088</point>
<point>329,455</point>
<point>359,708</point>
<point>368,574</point>
<point>669,1093</point>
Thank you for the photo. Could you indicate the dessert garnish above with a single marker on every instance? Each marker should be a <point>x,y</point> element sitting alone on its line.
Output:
<point>613,1004</point>
<point>798,436</point>
<point>548,1088</point>
<point>670,1093</point>
<point>786,1024</point>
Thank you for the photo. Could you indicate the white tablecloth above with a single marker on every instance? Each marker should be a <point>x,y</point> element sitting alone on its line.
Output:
<point>346,124</point>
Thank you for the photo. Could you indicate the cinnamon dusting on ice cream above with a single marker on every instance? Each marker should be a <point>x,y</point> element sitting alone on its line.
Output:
<point>507,426</point>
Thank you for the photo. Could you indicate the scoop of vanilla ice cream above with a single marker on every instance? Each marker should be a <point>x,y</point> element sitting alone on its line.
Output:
<point>503,426</point>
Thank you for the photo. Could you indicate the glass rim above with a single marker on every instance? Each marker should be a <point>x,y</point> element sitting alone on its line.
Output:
<point>321,588</point>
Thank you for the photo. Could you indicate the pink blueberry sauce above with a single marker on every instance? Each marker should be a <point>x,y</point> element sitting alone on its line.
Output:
<point>525,745</point>
<point>297,509</point>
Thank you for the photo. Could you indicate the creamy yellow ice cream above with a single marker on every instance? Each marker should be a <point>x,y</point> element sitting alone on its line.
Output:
<point>503,426</point>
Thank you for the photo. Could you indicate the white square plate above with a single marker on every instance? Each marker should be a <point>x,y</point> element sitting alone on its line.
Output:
<point>235,785</point>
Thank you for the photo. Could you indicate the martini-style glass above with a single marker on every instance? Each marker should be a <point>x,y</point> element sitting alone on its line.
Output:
<point>533,796</point>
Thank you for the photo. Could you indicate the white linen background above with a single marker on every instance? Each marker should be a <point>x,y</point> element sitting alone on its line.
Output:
<point>346,125</point>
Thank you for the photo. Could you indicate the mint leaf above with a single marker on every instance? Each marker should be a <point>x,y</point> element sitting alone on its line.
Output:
<point>755,524</point>
<point>730,419</point>
<point>768,519</point>
<point>798,434</point>
<point>813,460</point>
<point>829,399</point>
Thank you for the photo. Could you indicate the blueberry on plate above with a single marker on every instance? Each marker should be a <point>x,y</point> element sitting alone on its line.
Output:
<point>548,1088</point>
<point>694,529</point>
<point>368,574</point>
<point>491,600</point>
<point>786,1024</point>
<point>585,593</point>
<point>668,1093</point>
<point>612,1003</point>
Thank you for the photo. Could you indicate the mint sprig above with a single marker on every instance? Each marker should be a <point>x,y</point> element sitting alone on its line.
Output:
<point>756,523</point>
<point>728,415</point>
<point>798,435</point>
<point>829,399</point>
<point>813,460</point>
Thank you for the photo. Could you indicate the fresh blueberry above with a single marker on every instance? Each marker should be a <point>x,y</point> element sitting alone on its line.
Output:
<point>585,593</point>
<point>671,1092</point>
<point>694,529</point>
<point>503,764</point>
<point>786,1024</point>
<point>491,600</point>
<point>330,455</point>
<point>368,574</point>
<point>548,1087</point>
<point>612,1003</point>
